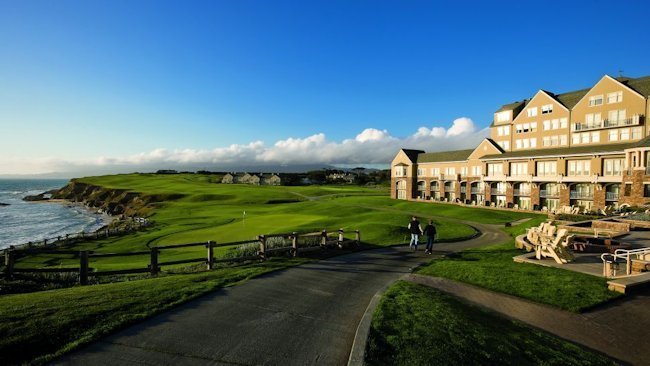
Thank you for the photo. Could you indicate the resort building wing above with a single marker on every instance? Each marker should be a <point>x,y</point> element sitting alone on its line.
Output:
<point>587,148</point>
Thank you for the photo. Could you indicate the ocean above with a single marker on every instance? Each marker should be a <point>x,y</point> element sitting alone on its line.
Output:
<point>21,222</point>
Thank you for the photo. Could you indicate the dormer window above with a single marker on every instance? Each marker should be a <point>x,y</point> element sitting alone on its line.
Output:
<point>595,100</point>
<point>503,116</point>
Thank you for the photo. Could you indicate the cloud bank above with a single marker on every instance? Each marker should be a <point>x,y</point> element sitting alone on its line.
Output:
<point>370,146</point>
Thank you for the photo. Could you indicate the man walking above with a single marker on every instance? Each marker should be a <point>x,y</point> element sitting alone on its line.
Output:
<point>416,231</point>
<point>430,232</point>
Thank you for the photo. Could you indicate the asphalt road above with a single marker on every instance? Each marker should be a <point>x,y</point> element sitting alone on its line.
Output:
<point>300,316</point>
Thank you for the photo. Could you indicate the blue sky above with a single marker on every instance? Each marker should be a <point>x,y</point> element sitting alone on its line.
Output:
<point>122,83</point>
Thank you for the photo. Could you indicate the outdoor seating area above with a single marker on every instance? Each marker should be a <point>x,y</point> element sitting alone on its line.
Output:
<point>548,242</point>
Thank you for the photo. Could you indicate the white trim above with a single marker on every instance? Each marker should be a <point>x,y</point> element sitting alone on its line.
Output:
<point>611,78</point>
<point>553,100</point>
<point>555,156</point>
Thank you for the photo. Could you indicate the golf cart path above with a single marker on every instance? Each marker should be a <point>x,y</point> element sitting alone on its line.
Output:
<point>302,315</point>
<point>619,329</point>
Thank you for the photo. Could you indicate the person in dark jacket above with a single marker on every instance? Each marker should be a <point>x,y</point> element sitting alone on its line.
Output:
<point>430,232</point>
<point>416,231</point>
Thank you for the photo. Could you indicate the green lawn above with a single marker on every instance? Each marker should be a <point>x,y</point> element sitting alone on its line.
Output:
<point>417,325</point>
<point>202,210</point>
<point>37,327</point>
<point>492,267</point>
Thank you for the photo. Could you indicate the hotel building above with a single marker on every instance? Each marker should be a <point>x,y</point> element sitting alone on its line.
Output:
<point>588,148</point>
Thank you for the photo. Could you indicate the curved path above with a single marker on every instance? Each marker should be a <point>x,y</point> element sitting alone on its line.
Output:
<point>303,315</point>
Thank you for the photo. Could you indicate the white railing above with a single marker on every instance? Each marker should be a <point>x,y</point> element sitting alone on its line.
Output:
<point>621,255</point>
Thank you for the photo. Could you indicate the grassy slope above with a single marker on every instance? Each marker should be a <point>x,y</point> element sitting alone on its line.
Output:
<point>209,211</point>
<point>492,267</point>
<point>46,324</point>
<point>416,325</point>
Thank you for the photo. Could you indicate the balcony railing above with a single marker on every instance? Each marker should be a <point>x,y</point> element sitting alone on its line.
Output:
<point>581,195</point>
<point>463,190</point>
<point>476,191</point>
<point>521,192</point>
<point>606,123</point>
<point>611,196</point>
<point>435,188</point>
<point>549,193</point>
<point>497,192</point>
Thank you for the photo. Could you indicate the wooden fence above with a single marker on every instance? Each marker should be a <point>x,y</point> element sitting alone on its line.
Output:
<point>322,240</point>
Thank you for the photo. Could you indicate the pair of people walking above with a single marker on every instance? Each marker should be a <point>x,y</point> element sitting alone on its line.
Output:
<point>416,231</point>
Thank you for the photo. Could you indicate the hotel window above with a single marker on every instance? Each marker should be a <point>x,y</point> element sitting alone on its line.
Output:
<point>450,171</point>
<point>547,125</point>
<point>555,123</point>
<point>584,137</point>
<point>579,167</point>
<point>613,135</point>
<point>564,122</point>
<point>532,112</point>
<point>525,143</point>
<point>420,172</point>
<point>595,136</point>
<point>615,97</point>
<point>526,127</point>
<point>533,143</point>
<point>400,171</point>
<point>506,131</point>
<point>636,133</point>
<point>495,169</point>
<point>613,167</point>
<point>575,138</point>
<point>500,131</point>
<point>563,140</point>
<point>546,141</point>
<point>505,145</point>
<point>476,171</point>
<point>595,100</point>
<point>546,168</point>
<point>435,171</point>
<point>518,168</point>
<point>503,116</point>
<point>593,119</point>
<point>625,134</point>
<point>463,171</point>
<point>548,108</point>
<point>617,115</point>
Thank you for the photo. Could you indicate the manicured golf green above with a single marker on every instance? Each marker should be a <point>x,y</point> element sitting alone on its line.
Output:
<point>194,208</point>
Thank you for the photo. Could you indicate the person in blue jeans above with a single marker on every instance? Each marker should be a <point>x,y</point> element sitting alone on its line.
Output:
<point>430,232</point>
<point>416,231</point>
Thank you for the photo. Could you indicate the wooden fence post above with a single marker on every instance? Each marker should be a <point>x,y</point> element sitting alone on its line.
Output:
<point>323,239</point>
<point>153,266</point>
<point>210,246</point>
<point>9,262</point>
<point>340,238</point>
<point>294,244</point>
<point>357,236</point>
<point>83,267</point>
<point>262,252</point>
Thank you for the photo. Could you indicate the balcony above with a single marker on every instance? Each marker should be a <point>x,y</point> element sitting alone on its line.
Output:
<point>581,195</point>
<point>549,193</point>
<point>463,190</point>
<point>476,191</point>
<point>611,196</point>
<point>521,192</point>
<point>449,176</point>
<point>435,188</point>
<point>498,192</point>
<point>584,126</point>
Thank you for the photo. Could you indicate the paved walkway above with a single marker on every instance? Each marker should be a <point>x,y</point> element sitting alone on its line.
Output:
<point>620,329</point>
<point>303,315</point>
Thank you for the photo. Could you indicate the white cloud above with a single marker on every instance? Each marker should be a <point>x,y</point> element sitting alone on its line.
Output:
<point>370,146</point>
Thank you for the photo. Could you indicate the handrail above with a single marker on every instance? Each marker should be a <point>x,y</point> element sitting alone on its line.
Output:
<point>623,254</point>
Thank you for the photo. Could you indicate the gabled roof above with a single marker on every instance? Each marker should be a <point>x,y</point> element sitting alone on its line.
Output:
<point>412,154</point>
<point>640,85</point>
<point>512,106</point>
<point>536,153</point>
<point>442,156</point>
<point>569,99</point>
<point>644,142</point>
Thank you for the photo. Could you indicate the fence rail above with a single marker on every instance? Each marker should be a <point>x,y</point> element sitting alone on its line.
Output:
<point>318,240</point>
